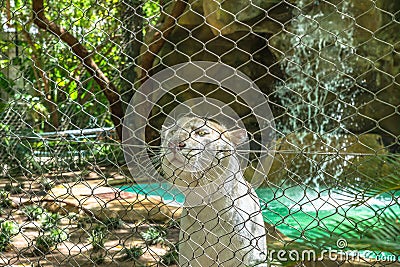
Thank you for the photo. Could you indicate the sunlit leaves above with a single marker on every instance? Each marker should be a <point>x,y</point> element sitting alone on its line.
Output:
<point>151,10</point>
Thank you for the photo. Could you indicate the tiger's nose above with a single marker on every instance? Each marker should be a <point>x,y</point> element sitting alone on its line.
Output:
<point>181,145</point>
<point>175,146</point>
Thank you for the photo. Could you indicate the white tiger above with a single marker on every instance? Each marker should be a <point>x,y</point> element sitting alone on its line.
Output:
<point>230,230</point>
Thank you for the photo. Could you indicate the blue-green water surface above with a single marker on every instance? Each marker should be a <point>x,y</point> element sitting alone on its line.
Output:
<point>300,213</point>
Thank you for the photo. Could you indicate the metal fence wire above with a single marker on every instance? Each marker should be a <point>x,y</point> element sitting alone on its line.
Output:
<point>200,133</point>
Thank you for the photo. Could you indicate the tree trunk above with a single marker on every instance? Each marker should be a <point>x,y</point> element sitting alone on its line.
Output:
<point>132,18</point>
<point>108,88</point>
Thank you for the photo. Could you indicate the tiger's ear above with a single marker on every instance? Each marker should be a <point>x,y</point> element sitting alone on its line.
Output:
<point>238,136</point>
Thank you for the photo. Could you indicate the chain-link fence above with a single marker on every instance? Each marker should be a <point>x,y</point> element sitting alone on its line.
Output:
<point>200,133</point>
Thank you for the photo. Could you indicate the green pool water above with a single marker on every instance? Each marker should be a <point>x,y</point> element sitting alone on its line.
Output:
<point>300,213</point>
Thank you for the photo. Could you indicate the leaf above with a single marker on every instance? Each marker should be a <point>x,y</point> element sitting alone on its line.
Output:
<point>388,180</point>
<point>6,84</point>
<point>73,94</point>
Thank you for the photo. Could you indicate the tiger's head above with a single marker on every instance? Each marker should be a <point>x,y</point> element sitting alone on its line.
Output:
<point>196,151</point>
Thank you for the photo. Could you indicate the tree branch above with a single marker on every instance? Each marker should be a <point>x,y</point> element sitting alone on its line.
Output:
<point>8,13</point>
<point>108,88</point>
<point>37,66</point>
<point>80,66</point>
<point>160,37</point>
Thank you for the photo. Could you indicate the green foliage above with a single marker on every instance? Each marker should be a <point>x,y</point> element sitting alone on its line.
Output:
<point>19,150</point>
<point>97,237</point>
<point>85,221</point>
<point>374,235</point>
<point>171,257</point>
<point>383,232</point>
<point>151,10</point>
<point>133,252</point>
<point>72,216</point>
<point>8,229</point>
<point>113,223</point>
<point>379,232</point>
<point>70,88</point>
<point>97,258</point>
<point>154,235</point>
<point>49,239</point>
<point>5,201</point>
<point>6,84</point>
<point>385,179</point>
<point>33,212</point>
<point>59,235</point>
<point>44,244</point>
<point>106,153</point>
<point>46,183</point>
<point>50,220</point>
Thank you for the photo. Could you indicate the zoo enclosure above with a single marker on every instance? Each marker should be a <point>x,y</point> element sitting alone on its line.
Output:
<point>330,73</point>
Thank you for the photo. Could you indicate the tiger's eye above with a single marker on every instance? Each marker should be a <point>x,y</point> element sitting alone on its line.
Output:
<point>201,133</point>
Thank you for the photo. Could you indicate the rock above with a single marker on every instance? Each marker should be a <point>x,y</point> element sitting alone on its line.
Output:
<point>353,60</point>
<point>348,52</point>
<point>249,54</point>
<point>227,17</point>
<point>106,202</point>
<point>326,160</point>
<point>193,15</point>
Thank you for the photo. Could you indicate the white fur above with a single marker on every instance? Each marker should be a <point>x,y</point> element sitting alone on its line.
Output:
<point>230,230</point>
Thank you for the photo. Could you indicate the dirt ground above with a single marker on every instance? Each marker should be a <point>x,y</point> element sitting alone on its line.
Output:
<point>77,250</point>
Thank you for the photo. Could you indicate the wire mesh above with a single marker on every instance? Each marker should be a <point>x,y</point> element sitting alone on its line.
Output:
<point>282,117</point>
